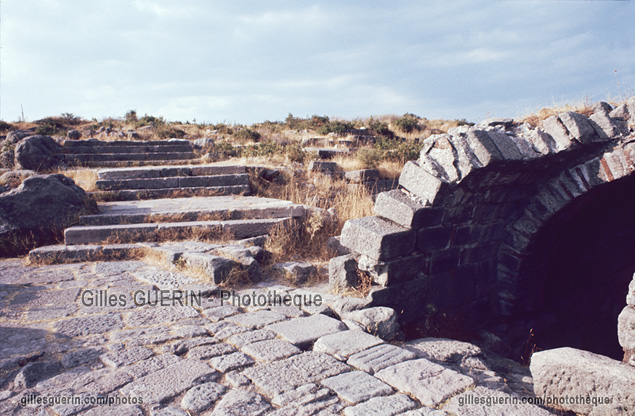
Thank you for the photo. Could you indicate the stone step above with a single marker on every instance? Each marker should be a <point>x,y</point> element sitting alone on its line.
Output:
<point>164,172</point>
<point>123,149</point>
<point>192,209</point>
<point>124,157</point>
<point>130,143</point>
<point>113,164</point>
<point>169,231</point>
<point>136,194</point>
<point>172,182</point>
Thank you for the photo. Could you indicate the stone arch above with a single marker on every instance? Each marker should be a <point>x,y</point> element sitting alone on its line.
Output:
<point>458,235</point>
<point>554,253</point>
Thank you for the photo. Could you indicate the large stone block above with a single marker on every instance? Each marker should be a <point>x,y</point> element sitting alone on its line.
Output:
<point>604,127</point>
<point>554,127</point>
<point>420,182</point>
<point>386,273</point>
<point>505,145</point>
<point>399,207</point>
<point>343,272</point>
<point>578,127</point>
<point>483,147</point>
<point>377,238</point>
<point>583,379</point>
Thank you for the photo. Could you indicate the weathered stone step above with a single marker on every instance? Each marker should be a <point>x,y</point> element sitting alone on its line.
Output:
<point>192,209</point>
<point>116,157</point>
<point>164,172</point>
<point>136,194</point>
<point>169,231</point>
<point>131,143</point>
<point>113,164</point>
<point>123,149</point>
<point>172,182</point>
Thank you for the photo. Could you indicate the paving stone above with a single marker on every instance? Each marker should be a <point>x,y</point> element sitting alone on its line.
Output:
<point>357,386</point>
<point>304,331</point>
<point>105,381</point>
<point>181,347</point>
<point>236,379</point>
<point>382,406</point>
<point>205,352</point>
<point>71,409</point>
<point>241,403</point>
<point>220,312</point>
<point>189,331</point>
<point>84,356</point>
<point>32,373</point>
<point>79,327</point>
<point>160,315</point>
<point>346,343</point>
<point>121,410</point>
<point>224,329</point>
<point>442,349</point>
<point>304,394</point>
<point>231,361</point>
<point>202,397</point>
<point>245,338</point>
<point>151,365</point>
<point>430,383</point>
<point>377,358</point>
<point>284,375</point>
<point>475,403</point>
<point>50,313</point>
<point>170,411</point>
<point>169,382</point>
<point>143,336</point>
<point>379,320</point>
<point>126,357</point>
<point>271,350</point>
<point>424,411</point>
<point>257,319</point>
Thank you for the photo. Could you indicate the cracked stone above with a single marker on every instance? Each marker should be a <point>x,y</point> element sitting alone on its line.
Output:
<point>357,386</point>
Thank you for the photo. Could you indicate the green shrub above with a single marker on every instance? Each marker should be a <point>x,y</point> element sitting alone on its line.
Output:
<point>338,127</point>
<point>295,153</point>
<point>247,135</point>
<point>131,117</point>
<point>4,126</point>
<point>381,128</point>
<point>407,123</point>
<point>168,132</point>
<point>370,157</point>
<point>47,129</point>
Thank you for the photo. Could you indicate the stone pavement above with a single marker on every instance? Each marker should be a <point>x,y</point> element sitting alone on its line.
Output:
<point>99,332</point>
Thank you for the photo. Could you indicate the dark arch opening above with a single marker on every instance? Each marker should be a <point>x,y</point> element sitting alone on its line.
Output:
<point>585,259</point>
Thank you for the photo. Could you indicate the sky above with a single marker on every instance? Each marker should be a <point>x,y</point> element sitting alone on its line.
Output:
<point>249,61</point>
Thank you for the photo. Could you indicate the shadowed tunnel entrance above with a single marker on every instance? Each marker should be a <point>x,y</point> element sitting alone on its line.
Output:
<point>584,260</point>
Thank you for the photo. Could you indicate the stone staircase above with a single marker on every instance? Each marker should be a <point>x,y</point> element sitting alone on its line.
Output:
<point>171,181</point>
<point>212,235</point>
<point>101,153</point>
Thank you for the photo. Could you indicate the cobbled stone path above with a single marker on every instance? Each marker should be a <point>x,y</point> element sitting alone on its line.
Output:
<point>217,358</point>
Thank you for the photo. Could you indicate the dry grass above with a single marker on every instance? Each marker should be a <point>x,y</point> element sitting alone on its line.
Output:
<point>535,118</point>
<point>84,178</point>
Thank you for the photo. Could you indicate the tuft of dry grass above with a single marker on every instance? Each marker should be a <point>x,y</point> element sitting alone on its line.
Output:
<point>535,118</point>
<point>84,178</point>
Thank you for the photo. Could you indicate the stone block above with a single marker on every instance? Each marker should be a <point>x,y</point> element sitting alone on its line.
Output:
<point>216,267</point>
<point>271,350</point>
<point>377,238</point>
<point>391,272</point>
<point>241,402</point>
<point>483,401</point>
<point>505,145</point>
<point>428,382</point>
<point>420,182</point>
<point>305,330</point>
<point>257,319</point>
<point>554,128</point>
<point>604,127</point>
<point>297,272</point>
<point>434,238</point>
<point>362,175</point>
<point>202,397</point>
<point>626,328</point>
<point>571,373</point>
<point>321,166</point>
<point>578,126</point>
<point>443,350</point>
<point>542,141</point>
<point>379,357</point>
<point>382,406</point>
<point>380,321</point>
<point>482,146</point>
<point>357,386</point>
<point>346,343</point>
<point>343,272</point>
<point>285,375</point>
<point>400,208</point>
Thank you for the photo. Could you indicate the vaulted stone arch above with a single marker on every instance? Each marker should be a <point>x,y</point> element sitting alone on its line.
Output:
<point>461,233</point>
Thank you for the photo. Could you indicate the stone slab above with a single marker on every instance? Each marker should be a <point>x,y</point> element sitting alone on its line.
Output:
<point>270,350</point>
<point>229,362</point>
<point>379,357</point>
<point>377,238</point>
<point>305,330</point>
<point>428,382</point>
<point>346,343</point>
<point>281,376</point>
<point>241,403</point>
<point>382,406</point>
<point>169,382</point>
<point>357,386</point>
<point>420,182</point>
<point>257,319</point>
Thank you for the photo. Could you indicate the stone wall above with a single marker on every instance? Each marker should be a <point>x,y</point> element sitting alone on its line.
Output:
<point>456,234</point>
